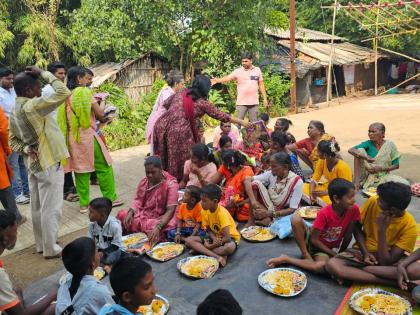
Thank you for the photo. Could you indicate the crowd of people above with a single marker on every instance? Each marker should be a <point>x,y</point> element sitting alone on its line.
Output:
<point>193,193</point>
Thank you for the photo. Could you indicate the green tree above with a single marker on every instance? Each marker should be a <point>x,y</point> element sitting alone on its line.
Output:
<point>6,36</point>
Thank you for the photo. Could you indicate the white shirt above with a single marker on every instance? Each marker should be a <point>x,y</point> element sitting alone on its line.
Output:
<point>109,234</point>
<point>47,91</point>
<point>7,100</point>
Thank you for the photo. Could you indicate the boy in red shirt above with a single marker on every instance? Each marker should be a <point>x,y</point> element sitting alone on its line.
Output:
<point>331,230</point>
<point>188,217</point>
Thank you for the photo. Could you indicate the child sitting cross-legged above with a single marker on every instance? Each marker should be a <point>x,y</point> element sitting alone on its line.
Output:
<point>389,231</point>
<point>223,236</point>
<point>133,283</point>
<point>188,217</point>
<point>332,229</point>
<point>105,230</point>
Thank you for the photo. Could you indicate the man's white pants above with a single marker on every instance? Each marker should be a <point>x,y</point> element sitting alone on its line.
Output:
<point>47,205</point>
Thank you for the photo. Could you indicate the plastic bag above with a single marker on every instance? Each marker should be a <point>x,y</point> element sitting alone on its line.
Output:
<point>283,227</point>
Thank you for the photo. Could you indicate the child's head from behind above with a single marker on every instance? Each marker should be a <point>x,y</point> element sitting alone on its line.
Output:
<point>80,258</point>
<point>225,143</point>
<point>192,195</point>
<point>265,118</point>
<point>99,210</point>
<point>200,154</point>
<point>328,149</point>
<point>220,302</point>
<point>233,160</point>
<point>278,141</point>
<point>342,193</point>
<point>225,127</point>
<point>282,124</point>
<point>394,198</point>
<point>133,282</point>
<point>210,197</point>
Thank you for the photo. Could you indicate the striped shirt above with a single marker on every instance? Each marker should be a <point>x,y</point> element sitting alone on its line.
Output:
<point>31,125</point>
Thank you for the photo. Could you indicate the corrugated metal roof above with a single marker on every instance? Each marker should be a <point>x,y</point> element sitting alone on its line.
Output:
<point>302,34</point>
<point>280,63</point>
<point>105,71</point>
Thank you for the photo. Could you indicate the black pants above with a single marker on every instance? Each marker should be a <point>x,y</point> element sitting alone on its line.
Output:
<point>7,199</point>
<point>68,184</point>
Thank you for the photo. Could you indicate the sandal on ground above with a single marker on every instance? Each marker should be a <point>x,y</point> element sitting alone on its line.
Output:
<point>83,210</point>
<point>71,197</point>
<point>117,203</point>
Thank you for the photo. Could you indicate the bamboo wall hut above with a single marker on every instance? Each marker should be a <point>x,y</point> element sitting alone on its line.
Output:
<point>135,76</point>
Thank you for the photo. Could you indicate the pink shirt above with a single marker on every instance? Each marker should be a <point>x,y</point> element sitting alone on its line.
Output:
<point>206,172</point>
<point>333,227</point>
<point>247,85</point>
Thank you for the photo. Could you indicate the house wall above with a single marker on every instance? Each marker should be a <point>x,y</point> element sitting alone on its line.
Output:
<point>137,79</point>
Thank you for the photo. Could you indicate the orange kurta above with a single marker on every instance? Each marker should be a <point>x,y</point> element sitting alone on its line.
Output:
<point>5,170</point>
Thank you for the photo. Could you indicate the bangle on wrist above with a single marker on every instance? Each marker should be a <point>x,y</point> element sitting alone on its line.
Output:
<point>160,225</point>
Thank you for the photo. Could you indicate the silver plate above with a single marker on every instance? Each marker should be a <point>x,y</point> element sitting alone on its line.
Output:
<point>249,229</point>
<point>268,287</point>
<point>184,261</point>
<point>143,239</point>
<point>164,309</point>
<point>301,212</point>
<point>162,245</point>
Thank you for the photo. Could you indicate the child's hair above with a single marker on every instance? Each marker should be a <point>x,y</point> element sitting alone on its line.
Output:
<point>395,194</point>
<point>219,302</point>
<point>153,160</point>
<point>127,273</point>
<point>223,140</point>
<point>282,158</point>
<point>265,118</point>
<point>224,122</point>
<point>7,219</point>
<point>280,138</point>
<point>329,147</point>
<point>77,259</point>
<point>101,205</point>
<point>194,191</point>
<point>233,158</point>
<point>339,187</point>
<point>212,191</point>
<point>202,152</point>
<point>284,123</point>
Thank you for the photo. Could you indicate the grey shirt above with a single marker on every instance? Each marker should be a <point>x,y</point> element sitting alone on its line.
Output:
<point>109,234</point>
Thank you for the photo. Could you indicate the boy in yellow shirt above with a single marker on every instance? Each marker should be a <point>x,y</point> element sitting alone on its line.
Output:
<point>222,236</point>
<point>388,232</point>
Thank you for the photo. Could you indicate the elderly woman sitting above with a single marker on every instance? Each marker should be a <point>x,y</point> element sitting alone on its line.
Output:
<point>375,158</point>
<point>153,208</point>
<point>275,193</point>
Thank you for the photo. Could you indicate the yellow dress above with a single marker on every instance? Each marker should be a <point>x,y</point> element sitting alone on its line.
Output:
<point>340,170</point>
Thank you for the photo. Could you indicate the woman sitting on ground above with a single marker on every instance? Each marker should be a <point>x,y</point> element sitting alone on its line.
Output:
<point>81,292</point>
<point>329,167</point>
<point>200,168</point>
<point>375,158</point>
<point>275,193</point>
<point>307,149</point>
<point>234,172</point>
<point>153,208</point>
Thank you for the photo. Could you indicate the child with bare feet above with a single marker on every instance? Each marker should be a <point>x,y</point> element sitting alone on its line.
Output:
<point>223,237</point>
<point>331,230</point>
<point>188,217</point>
<point>388,232</point>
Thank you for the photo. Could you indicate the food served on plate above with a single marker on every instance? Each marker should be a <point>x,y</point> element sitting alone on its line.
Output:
<point>377,301</point>
<point>200,267</point>
<point>309,212</point>
<point>99,273</point>
<point>283,281</point>
<point>133,240</point>
<point>159,306</point>
<point>166,251</point>
<point>371,191</point>
<point>257,234</point>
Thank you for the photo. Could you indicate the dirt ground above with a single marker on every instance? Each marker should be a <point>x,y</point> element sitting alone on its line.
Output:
<point>348,122</point>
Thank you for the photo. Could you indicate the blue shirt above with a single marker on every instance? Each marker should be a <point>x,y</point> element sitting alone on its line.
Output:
<point>115,309</point>
<point>89,298</point>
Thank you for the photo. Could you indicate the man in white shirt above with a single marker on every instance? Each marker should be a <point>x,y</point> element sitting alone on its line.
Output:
<point>7,102</point>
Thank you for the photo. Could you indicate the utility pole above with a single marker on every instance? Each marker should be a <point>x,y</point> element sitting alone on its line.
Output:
<point>292,30</point>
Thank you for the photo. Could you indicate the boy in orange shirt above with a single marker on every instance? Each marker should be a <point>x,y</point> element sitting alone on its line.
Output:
<point>188,217</point>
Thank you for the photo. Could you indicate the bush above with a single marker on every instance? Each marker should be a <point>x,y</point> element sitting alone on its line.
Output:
<point>277,88</point>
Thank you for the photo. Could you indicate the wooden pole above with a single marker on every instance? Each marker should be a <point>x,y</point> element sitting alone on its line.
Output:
<point>376,47</point>
<point>293,103</point>
<point>331,55</point>
<point>388,35</point>
<point>399,54</point>
<point>356,6</point>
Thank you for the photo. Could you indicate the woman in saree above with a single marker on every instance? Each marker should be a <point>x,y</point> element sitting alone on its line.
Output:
<point>88,153</point>
<point>329,167</point>
<point>153,208</point>
<point>375,158</point>
<point>275,193</point>
<point>176,131</point>
<point>175,81</point>
<point>307,149</point>
<point>234,172</point>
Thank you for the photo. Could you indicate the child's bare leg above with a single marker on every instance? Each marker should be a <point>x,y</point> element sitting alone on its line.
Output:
<point>387,272</point>
<point>316,265</point>
<point>338,268</point>
<point>413,271</point>
<point>299,231</point>
<point>225,250</point>
<point>195,243</point>
<point>357,172</point>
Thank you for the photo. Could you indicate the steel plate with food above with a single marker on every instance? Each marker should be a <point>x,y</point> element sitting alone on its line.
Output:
<point>374,301</point>
<point>99,273</point>
<point>135,240</point>
<point>198,267</point>
<point>309,212</point>
<point>257,234</point>
<point>165,251</point>
<point>284,282</point>
<point>159,306</point>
